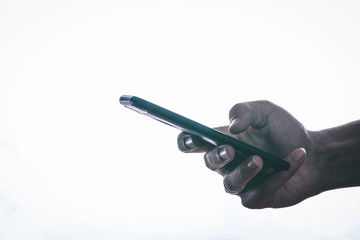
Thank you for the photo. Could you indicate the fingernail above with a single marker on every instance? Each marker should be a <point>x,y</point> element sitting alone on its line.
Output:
<point>234,122</point>
<point>188,142</point>
<point>223,154</point>
<point>299,154</point>
<point>254,163</point>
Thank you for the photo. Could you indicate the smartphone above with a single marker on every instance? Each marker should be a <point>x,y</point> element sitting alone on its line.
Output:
<point>210,135</point>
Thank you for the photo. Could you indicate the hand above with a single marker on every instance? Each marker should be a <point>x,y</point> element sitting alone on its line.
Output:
<point>270,128</point>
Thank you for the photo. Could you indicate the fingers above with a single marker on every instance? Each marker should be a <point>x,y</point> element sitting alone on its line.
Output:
<point>235,181</point>
<point>256,187</point>
<point>262,194</point>
<point>218,157</point>
<point>244,115</point>
<point>189,143</point>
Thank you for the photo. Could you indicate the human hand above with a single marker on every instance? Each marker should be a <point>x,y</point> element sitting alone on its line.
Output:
<point>272,129</point>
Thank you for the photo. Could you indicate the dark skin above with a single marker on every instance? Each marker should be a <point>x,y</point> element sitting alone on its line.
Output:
<point>271,128</point>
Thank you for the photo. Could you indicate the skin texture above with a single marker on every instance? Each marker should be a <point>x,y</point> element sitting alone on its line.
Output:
<point>271,128</point>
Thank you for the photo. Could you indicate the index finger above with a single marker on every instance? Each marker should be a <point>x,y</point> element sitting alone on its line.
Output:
<point>190,143</point>
<point>244,115</point>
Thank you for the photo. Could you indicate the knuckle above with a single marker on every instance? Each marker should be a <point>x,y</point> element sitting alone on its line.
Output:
<point>239,109</point>
<point>264,102</point>
<point>218,157</point>
<point>209,160</point>
<point>222,171</point>
<point>238,106</point>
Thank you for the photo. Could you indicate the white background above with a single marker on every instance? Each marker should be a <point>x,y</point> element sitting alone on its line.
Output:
<point>75,164</point>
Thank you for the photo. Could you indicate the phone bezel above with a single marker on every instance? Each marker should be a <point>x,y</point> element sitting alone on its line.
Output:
<point>210,135</point>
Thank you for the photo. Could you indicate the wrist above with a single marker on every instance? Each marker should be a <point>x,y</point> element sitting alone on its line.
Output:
<point>336,152</point>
